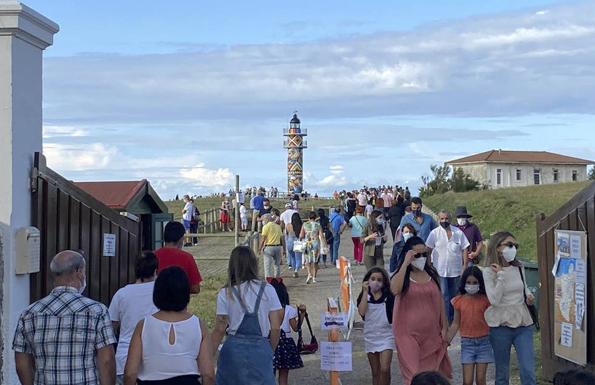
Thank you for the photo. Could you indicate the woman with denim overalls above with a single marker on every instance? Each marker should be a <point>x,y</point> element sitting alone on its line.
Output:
<point>250,311</point>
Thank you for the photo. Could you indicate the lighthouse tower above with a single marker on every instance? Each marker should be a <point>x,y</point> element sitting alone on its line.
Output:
<point>295,145</point>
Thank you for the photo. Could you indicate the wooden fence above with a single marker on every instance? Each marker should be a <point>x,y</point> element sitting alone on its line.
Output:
<point>577,214</point>
<point>69,218</point>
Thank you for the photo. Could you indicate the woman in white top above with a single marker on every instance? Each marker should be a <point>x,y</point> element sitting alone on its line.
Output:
<point>131,304</point>
<point>172,346</point>
<point>508,316</point>
<point>250,311</point>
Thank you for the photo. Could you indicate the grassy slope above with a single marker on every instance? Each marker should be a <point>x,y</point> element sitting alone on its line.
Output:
<point>511,209</point>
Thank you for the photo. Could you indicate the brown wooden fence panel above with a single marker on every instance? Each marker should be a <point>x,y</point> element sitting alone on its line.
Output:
<point>578,214</point>
<point>69,218</point>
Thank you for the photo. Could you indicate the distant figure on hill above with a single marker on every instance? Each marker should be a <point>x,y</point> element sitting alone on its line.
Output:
<point>224,215</point>
<point>171,254</point>
<point>187,213</point>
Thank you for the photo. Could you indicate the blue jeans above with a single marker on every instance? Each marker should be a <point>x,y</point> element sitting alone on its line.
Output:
<point>335,248</point>
<point>287,256</point>
<point>502,338</point>
<point>294,259</point>
<point>449,287</point>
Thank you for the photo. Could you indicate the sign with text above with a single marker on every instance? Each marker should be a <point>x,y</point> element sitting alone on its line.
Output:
<point>334,321</point>
<point>336,356</point>
<point>570,315</point>
<point>109,245</point>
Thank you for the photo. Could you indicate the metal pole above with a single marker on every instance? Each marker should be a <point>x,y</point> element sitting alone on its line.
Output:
<point>237,212</point>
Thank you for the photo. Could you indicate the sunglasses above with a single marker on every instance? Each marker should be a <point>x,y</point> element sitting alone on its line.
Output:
<point>510,244</point>
<point>419,255</point>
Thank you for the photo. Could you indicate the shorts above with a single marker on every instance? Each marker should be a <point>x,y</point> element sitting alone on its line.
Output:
<point>186,224</point>
<point>476,350</point>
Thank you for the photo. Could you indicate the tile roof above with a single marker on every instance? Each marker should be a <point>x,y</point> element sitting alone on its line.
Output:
<point>503,156</point>
<point>114,194</point>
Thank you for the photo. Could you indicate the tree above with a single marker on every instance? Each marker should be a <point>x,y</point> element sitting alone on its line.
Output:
<point>441,181</point>
<point>461,182</point>
<point>438,183</point>
<point>592,173</point>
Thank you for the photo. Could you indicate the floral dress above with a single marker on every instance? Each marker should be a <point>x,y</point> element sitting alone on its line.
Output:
<point>312,253</point>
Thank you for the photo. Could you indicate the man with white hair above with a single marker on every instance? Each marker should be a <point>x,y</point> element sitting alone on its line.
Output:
<point>272,246</point>
<point>65,338</point>
<point>448,246</point>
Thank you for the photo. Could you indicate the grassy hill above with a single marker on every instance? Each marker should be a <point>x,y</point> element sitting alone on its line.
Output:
<point>511,209</point>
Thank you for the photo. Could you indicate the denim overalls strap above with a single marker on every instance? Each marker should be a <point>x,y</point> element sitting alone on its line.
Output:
<point>246,357</point>
<point>250,324</point>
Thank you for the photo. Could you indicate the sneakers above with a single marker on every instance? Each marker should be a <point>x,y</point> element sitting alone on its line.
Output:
<point>295,274</point>
<point>313,280</point>
<point>308,279</point>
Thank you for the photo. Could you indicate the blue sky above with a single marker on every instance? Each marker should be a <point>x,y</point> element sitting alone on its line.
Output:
<point>187,94</point>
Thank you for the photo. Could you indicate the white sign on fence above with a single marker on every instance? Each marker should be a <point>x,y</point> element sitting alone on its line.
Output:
<point>109,245</point>
<point>336,356</point>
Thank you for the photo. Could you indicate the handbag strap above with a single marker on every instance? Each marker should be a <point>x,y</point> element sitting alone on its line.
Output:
<point>308,323</point>
<point>524,286</point>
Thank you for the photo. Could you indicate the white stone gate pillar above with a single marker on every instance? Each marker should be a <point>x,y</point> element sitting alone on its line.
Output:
<point>24,34</point>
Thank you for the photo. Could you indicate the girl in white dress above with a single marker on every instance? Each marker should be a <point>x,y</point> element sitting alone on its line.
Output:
<point>375,306</point>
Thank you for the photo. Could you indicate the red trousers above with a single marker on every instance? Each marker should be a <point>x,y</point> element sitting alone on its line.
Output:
<point>358,249</point>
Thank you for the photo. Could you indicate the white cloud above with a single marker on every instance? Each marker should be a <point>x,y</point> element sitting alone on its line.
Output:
<point>204,177</point>
<point>66,157</point>
<point>52,131</point>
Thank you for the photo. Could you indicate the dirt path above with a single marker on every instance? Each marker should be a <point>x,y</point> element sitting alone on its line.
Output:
<point>314,296</point>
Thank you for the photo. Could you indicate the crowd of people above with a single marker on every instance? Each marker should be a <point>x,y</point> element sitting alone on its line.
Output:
<point>433,290</point>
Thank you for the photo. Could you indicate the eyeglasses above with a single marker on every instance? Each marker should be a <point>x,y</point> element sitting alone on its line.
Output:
<point>510,244</point>
<point>419,255</point>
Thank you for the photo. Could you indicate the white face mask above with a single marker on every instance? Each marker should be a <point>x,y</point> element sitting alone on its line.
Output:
<point>419,263</point>
<point>407,236</point>
<point>509,253</point>
<point>472,289</point>
<point>462,221</point>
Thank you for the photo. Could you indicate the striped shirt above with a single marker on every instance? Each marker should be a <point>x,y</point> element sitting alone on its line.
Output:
<point>62,332</point>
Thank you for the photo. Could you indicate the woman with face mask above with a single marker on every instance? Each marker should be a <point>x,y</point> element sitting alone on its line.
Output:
<point>375,306</point>
<point>508,316</point>
<point>375,237</point>
<point>401,236</point>
<point>419,318</point>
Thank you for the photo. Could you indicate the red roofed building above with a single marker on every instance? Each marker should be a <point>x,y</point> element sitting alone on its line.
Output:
<point>137,200</point>
<point>501,168</point>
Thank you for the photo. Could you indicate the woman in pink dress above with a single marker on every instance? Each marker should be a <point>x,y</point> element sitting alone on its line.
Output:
<point>419,319</point>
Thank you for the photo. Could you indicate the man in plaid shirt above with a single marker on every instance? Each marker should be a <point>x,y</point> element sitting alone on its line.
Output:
<point>65,338</point>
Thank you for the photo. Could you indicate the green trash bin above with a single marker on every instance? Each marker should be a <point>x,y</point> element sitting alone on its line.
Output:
<point>532,277</point>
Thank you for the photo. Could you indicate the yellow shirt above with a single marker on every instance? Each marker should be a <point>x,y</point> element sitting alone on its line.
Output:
<point>273,234</point>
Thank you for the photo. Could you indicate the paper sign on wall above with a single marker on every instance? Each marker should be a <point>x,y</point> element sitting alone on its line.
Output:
<point>336,356</point>
<point>109,245</point>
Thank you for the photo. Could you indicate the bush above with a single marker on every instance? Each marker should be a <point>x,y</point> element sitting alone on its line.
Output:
<point>442,182</point>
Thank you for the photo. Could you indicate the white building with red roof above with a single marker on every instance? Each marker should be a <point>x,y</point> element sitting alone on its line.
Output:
<point>501,168</point>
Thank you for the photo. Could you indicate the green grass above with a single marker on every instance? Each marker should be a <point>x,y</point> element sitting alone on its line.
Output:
<point>204,204</point>
<point>205,303</point>
<point>510,209</point>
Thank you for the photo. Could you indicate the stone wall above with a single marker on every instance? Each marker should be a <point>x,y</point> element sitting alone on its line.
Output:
<point>1,301</point>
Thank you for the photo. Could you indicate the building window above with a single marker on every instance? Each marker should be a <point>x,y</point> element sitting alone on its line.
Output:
<point>574,175</point>
<point>499,176</point>
<point>555,175</point>
<point>537,176</point>
<point>518,174</point>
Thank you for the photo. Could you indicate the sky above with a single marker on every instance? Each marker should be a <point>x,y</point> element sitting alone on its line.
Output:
<point>189,93</point>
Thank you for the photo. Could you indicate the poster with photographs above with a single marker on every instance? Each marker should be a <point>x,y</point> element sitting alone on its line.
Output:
<point>570,317</point>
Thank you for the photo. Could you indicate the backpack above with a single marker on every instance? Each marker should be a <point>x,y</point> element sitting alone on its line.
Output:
<point>196,214</point>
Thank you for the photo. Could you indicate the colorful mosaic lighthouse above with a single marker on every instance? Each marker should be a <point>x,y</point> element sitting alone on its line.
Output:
<point>295,145</point>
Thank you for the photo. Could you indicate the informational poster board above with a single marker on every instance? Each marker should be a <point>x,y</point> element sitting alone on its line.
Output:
<point>570,315</point>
